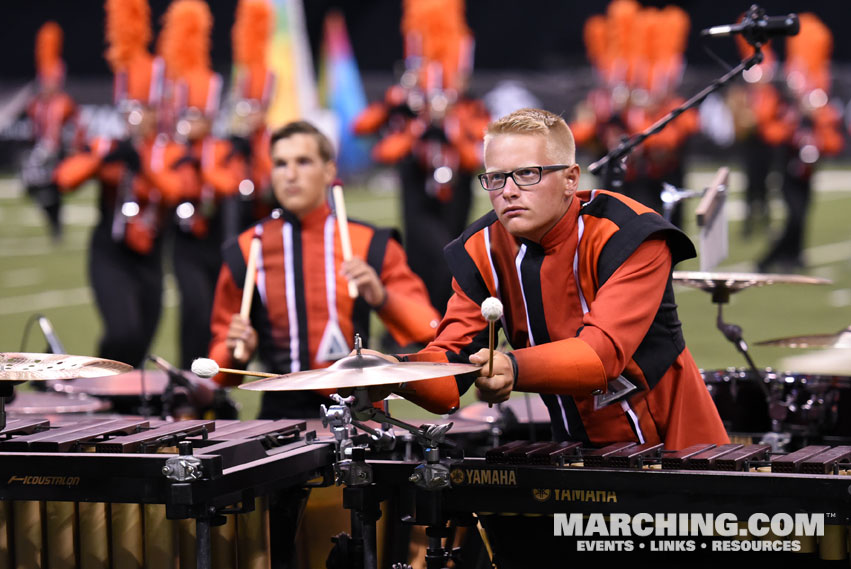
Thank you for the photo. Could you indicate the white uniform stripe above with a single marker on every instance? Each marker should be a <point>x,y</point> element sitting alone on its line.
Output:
<point>517,262</point>
<point>628,410</point>
<point>260,281</point>
<point>624,403</point>
<point>580,229</point>
<point>487,237</point>
<point>291,302</point>
<point>330,273</point>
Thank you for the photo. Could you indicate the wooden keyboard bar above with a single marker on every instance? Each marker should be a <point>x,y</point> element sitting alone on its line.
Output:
<point>632,456</point>
<point>553,453</point>
<point>25,426</point>
<point>735,461</point>
<point>791,462</point>
<point>677,460</point>
<point>520,455</point>
<point>596,458</point>
<point>23,443</point>
<point>264,427</point>
<point>62,441</point>
<point>164,435</point>
<point>706,459</point>
<point>497,455</point>
<point>823,463</point>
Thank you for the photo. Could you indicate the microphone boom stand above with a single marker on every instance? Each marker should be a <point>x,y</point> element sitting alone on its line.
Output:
<point>612,164</point>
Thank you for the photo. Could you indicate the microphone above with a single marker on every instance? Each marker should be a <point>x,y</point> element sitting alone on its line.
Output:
<point>53,343</point>
<point>757,27</point>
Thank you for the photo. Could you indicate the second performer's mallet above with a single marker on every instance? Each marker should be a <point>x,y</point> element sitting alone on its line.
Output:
<point>343,227</point>
<point>248,291</point>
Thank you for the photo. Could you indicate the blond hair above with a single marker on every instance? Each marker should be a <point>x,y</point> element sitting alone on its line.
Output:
<point>560,144</point>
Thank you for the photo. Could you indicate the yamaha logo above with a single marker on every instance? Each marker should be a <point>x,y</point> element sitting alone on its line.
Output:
<point>457,476</point>
<point>541,494</point>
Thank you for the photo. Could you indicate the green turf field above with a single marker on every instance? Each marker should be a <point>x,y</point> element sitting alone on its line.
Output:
<point>39,277</point>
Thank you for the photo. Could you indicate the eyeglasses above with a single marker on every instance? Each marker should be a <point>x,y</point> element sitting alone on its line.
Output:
<point>526,176</point>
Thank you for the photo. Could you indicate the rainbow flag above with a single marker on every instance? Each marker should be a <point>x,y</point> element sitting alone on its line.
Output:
<point>289,56</point>
<point>341,91</point>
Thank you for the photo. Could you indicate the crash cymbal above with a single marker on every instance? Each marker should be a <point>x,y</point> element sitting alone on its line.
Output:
<point>825,362</point>
<point>131,384</point>
<point>841,339</point>
<point>22,366</point>
<point>721,285</point>
<point>359,371</point>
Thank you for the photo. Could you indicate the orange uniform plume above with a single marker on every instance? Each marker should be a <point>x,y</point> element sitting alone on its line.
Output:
<point>250,35</point>
<point>808,54</point>
<point>128,31</point>
<point>443,34</point>
<point>184,42</point>
<point>48,52</point>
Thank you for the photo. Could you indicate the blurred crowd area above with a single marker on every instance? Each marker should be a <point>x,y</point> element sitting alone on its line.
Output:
<point>559,90</point>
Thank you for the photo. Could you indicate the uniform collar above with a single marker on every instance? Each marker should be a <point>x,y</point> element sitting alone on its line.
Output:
<point>315,218</point>
<point>561,231</point>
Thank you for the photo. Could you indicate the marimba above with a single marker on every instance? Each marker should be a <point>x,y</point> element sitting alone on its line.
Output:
<point>122,491</point>
<point>539,480</point>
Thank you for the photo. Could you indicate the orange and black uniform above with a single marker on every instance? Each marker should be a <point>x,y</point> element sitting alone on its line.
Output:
<point>125,258</point>
<point>299,290</point>
<point>49,115</point>
<point>252,157</point>
<point>593,301</point>
<point>198,239</point>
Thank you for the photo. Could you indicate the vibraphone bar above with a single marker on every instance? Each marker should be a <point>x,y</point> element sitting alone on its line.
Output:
<point>125,490</point>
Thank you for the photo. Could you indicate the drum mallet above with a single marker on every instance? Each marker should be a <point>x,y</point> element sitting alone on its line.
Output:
<point>492,311</point>
<point>343,227</point>
<point>247,292</point>
<point>205,367</point>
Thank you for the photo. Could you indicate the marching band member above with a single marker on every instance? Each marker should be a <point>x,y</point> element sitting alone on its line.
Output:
<point>253,91</point>
<point>208,191</point>
<point>758,112</point>
<point>432,131</point>
<point>585,279</point>
<point>50,111</point>
<point>138,186</point>
<point>814,130</point>
<point>303,316</point>
<point>638,54</point>
<point>569,267</point>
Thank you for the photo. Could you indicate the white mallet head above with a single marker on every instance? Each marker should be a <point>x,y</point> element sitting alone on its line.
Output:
<point>492,309</point>
<point>205,367</point>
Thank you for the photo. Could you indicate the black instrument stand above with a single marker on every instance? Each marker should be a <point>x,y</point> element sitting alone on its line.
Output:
<point>363,497</point>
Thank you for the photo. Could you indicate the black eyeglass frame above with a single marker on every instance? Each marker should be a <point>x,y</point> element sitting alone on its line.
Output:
<point>540,169</point>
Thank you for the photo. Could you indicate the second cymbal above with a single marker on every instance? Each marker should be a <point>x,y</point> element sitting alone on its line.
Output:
<point>23,366</point>
<point>359,371</point>
<point>841,339</point>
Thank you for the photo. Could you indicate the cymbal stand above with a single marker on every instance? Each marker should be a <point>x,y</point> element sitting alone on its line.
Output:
<point>7,390</point>
<point>733,333</point>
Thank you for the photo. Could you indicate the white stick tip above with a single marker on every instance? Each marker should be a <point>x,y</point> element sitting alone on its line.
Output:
<point>205,367</point>
<point>492,309</point>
